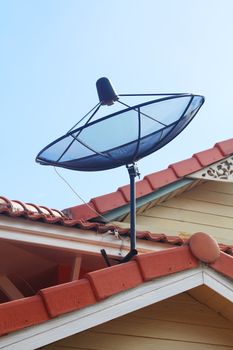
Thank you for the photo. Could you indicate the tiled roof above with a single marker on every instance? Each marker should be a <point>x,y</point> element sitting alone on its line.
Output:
<point>152,182</point>
<point>78,216</point>
<point>17,209</point>
<point>101,284</point>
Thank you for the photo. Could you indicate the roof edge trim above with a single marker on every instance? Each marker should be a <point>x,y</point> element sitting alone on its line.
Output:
<point>163,191</point>
<point>106,310</point>
<point>116,306</point>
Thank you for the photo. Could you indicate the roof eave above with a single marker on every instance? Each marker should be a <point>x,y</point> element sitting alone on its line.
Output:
<point>117,306</point>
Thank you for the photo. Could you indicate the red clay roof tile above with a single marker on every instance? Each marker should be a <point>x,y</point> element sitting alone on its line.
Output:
<point>155,180</point>
<point>224,265</point>
<point>22,313</point>
<point>115,279</point>
<point>7,207</point>
<point>226,248</point>
<point>185,167</point>
<point>204,247</point>
<point>209,156</point>
<point>226,147</point>
<point>157,237</point>
<point>83,211</point>
<point>142,189</point>
<point>157,264</point>
<point>68,297</point>
<point>63,298</point>
<point>161,178</point>
<point>108,201</point>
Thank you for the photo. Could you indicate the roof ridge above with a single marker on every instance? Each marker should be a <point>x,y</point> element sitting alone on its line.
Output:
<point>98,285</point>
<point>151,182</point>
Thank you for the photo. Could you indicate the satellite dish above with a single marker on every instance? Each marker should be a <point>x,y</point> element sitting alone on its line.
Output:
<point>122,137</point>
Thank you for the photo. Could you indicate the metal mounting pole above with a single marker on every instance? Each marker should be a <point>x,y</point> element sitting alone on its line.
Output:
<point>133,172</point>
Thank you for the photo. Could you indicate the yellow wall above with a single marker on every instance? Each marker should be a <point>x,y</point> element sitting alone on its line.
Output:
<point>207,208</point>
<point>180,323</point>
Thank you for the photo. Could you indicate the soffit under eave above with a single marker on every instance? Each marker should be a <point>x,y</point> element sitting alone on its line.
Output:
<point>215,301</point>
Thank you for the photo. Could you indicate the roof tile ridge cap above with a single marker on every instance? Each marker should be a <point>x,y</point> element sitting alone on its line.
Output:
<point>86,225</point>
<point>196,155</point>
<point>48,209</point>
<point>224,264</point>
<point>37,207</point>
<point>88,208</point>
<point>145,178</point>
<point>53,295</point>
<point>107,202</point>
<point>178,177</point>
<point>186,160</point>
<point>118,190</point>
<point>166,262</point>
<point>216,145</point>
<point>219,146</point>
<point>16,211</point>
<point>204,247</point>
<point>25,209</point>
<point>225,248</point>
<point>122,189</point>
<point>8,202</point>
<point>165,181</point>
<point>59,212</point>
<point>18,319</point>
<point>171,168</point>
<point>100,279</point>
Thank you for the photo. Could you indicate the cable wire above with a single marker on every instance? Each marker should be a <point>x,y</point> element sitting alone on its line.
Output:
<point>79,197</point>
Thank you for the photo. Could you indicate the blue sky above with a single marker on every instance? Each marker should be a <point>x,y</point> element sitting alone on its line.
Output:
<point>52,53</point>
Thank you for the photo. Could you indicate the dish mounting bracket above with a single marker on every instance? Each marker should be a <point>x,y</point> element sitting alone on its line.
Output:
<point>133,173</point>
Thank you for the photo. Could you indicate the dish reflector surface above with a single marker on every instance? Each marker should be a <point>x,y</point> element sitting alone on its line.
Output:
<point>123,137</point>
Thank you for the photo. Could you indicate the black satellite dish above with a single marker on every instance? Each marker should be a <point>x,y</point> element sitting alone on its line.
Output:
<point>123,137</point>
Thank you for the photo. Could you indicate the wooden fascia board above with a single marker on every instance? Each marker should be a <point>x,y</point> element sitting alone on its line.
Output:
<point>164,191</point>
<point>66,238</point>
<point>218,283</point>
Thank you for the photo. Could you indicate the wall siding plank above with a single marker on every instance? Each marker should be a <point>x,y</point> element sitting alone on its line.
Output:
<point>95,341</point>
<point>155,329</point>
<point>176,227</point>
<point>199,206</point>
<point>207,207</point>
<point>180,322</point>
<point>190,216</point>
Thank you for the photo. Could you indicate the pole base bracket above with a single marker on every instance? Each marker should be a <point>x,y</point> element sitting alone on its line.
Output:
<point>127,258</point>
